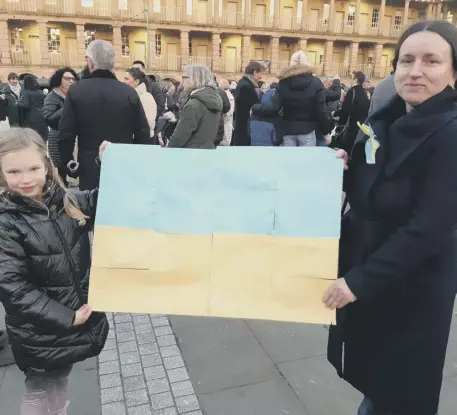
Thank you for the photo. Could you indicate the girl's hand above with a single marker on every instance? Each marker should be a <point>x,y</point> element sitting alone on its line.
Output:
<point>328,139</point>
<point>341,154</point>
<point>102,149</point>
<point>338,295</point>
<point>82,315</point>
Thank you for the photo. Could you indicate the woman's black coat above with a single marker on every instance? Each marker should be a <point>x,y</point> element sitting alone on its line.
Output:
<point>44,269</point>
<point>52,110</point>
<point>31,112</point>
<point>398,257</point>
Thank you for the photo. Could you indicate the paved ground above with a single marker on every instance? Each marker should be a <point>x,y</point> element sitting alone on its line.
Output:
<point>236,367</point>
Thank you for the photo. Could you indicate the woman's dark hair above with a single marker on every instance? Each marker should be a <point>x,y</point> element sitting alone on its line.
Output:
<point>441,27</point>
<point>138,75</point>
<point>85,73</point>
<point>12,75</point>
<point>56,78</point>
<point>360,77</point>
<point>254,66</point>
<point>274,85</point>
<point>31,83</point>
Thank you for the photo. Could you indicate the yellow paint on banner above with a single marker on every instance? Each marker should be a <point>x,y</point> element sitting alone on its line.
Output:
<point>224,275</point>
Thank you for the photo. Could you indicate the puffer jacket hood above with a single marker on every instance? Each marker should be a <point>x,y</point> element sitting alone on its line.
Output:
<point>209,97</point>
<point>44,275</point>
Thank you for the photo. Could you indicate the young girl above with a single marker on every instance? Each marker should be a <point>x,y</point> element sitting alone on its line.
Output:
<point>44,267</point>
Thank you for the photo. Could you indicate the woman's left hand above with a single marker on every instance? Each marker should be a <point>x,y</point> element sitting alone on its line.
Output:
<point>338,295</point>
<point>102,149</point>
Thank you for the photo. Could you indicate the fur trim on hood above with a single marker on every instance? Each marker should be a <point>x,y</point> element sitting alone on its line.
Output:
<point>297,70</point>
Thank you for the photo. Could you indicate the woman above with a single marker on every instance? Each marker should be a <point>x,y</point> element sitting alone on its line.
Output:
<point>397,281</point>
<point>199,120</point>
<point>60,83</point>
<point>301,96</point>
<point>354,109</point>
<point>171,103</point>
<point>12,90</point>
<point>262,129</point>
<point>31,107</point>
<point>137,79</point>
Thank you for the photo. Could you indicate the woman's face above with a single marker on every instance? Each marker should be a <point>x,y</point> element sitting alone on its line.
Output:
<point>67,81</point>
<point>128,79</point>
<point>264,88</point>
<point>14,81</point>
<point>424,67</point>
<point>171,89</point>
<point>24,172</point>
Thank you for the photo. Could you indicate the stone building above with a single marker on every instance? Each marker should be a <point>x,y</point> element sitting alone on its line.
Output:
<point>340,36</point>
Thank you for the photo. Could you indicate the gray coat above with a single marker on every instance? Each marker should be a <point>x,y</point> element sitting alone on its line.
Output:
<point>382,94</point>
<point>199,120</point>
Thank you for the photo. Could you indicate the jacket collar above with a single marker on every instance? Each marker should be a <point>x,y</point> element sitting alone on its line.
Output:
<point>296,70</point>
<point>102,73</point>
<point>409,130</point>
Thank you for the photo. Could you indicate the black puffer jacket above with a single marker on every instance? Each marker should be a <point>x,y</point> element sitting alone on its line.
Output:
<point>301,96</point>
<point>52,110</point>
<point>44,265</point>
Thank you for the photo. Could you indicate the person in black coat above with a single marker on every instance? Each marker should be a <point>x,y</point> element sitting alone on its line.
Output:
<point>97,109</point>
<point>247,94</point>
<point>154,89</point>
<point>397,266</point>
<point>60,82</point>
<point>301,96</point>
<point>44,271</point>
<point>333,96</point>
<point>31,107</point>
<point>355,109</point>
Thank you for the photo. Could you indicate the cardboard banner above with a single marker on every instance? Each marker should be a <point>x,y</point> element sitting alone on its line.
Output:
<point>244,232</point>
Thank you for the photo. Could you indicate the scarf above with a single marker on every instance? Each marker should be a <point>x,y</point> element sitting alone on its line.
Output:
<point>16,90</point>
<point>253,82</point>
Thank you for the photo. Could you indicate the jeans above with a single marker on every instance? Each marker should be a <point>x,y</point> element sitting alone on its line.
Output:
<point>301,140</point>
<point>367,407</point>
<point>46,392</point>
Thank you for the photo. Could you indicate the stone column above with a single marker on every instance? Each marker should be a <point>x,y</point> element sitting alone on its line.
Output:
<point>247,10</point>
<point>117,45</point>
<point>347,54</point>
<point>304,16</point>
<point>429,11</point>
<point>406,14</point>
<point>115,12</point>
<point>274,44</point>
<point>328,57</point>
<point>152,48</point>
<point>44,51</point>
<point>182,5</point>
<point>184,48</point>
<point>81,45</point>
<point>378,60</point>
<point>353,54</point>
<point>439,11</point>
<point>5,53</point>
<point>216,55</point>
<point>382,12</point>
<point>277,14</point>
<point>303,44</point>
<point>357,18</point>
<point>331,17</point>
<point>245,51</point>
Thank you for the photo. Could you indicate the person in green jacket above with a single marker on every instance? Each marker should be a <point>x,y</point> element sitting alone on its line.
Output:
<point>199,121</point>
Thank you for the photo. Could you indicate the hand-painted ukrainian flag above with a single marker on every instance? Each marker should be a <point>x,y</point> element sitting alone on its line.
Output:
<point>236,232</point>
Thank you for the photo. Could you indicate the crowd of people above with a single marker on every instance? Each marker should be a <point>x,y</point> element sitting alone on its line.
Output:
<point>397,278</point>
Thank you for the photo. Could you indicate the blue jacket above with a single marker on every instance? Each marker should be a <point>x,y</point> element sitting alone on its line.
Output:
<point>262,129</point>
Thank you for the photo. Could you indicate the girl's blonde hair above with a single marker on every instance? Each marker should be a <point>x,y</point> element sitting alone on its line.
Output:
<point>17,139</point>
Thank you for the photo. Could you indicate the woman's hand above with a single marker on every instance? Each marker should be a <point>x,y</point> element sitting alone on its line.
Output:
<point>328,139</point>
<point>341,154</point>
<point>82,315</point>
<point>338,295</point>
<point>102,149</point>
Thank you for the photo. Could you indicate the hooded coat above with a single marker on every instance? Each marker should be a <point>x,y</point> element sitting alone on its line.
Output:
<point>199,121</point>
<point>44,268</point>
<point>301,96</point>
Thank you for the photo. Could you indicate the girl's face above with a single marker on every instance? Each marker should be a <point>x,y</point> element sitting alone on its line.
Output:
<point>25,172</point>
<point>14,81</point>
<point>128,79</point>
<point>171,90</point>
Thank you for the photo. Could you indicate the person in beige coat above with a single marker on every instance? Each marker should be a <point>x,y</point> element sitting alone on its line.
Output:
<point>137,79</point>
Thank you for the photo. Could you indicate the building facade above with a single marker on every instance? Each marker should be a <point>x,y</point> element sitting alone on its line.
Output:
<point>340,36</point>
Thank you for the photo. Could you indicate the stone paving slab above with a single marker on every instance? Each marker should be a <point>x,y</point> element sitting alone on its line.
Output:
<point>222,355</point>
<point>141,369</point>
